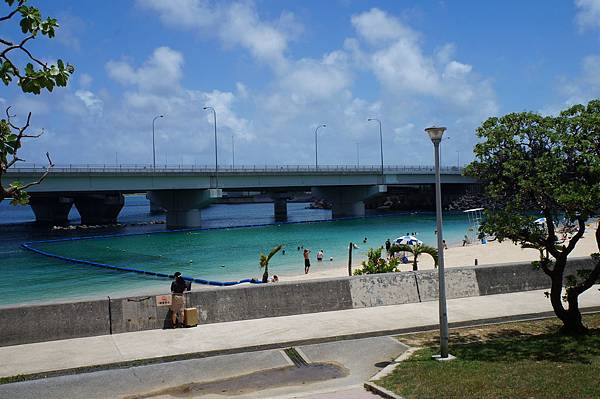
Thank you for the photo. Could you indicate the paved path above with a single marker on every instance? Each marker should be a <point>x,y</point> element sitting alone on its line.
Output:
<point>224,376</point>
<point>241,336</point>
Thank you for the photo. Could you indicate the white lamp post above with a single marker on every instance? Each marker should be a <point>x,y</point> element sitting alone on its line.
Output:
<point>317,146</point>
<point>153,148</point>
<point>380,141</point>
<point>435,134</point>
<point>216,156</point>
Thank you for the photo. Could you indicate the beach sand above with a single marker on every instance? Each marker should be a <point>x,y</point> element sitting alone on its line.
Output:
<point>455,256</point>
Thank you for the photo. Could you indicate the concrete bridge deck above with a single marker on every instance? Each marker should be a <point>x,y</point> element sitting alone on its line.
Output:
<point>182,190</point>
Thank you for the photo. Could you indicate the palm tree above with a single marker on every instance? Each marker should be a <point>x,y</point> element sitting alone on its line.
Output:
<point>264,261</point>
<point>416,250</point>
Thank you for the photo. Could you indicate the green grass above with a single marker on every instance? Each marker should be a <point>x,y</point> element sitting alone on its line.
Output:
<point>513,360</point>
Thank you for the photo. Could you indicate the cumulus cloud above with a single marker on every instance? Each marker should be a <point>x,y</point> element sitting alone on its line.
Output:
<point>236,24</point>
<point>409,88</point>
<point>588,14</point>
<point>91,101</point>
<point>161,72</point>
<point>376,26</point>
<point>396,57</point>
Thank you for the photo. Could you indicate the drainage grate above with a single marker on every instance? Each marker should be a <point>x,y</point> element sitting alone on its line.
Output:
<point>296,357</point>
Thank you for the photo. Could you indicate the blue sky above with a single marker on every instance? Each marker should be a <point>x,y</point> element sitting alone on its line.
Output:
<point>274,70</point>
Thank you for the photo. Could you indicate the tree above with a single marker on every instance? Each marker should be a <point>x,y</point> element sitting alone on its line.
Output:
<point>416,250</point>
<point>551,165</point>
<point>34,77</point>
<point>376,264</point>
<point>264,261</point>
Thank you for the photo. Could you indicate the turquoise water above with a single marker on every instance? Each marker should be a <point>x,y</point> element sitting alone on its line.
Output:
<point>218,254</point>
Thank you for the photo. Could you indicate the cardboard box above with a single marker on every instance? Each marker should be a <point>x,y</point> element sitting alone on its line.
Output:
<point>190,317</point>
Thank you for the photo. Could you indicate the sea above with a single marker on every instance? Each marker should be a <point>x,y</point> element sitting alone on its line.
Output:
<point>226,248</point>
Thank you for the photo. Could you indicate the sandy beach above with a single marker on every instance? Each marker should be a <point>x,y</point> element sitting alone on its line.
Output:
<point>455,256</point>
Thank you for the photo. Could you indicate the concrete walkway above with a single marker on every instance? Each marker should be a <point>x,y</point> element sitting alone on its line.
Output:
<point>248,335</point>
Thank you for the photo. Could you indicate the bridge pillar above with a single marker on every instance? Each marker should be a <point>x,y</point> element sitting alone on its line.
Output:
<point>280,206</point>
<point>183,206</point>
<point>347,201</point>
<point>155,209</point>
<point>101,208</point>
<point>51,209</point>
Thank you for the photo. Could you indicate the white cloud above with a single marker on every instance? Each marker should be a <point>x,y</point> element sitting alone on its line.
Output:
<point>243,27</point>
<point>588,14</point>
<point>376,26</point>
<point>182,13</point>
<point>93,103</point>
<point>161,72</point>
<point>401,65</point>
<point>236,24</point>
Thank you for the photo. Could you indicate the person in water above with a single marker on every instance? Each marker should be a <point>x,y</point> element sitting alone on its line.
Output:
<point>306,260</point>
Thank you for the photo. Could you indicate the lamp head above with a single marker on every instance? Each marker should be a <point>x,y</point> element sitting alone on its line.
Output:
<point>161,116</point>
<point>435,133</point>
<point>323,125</point>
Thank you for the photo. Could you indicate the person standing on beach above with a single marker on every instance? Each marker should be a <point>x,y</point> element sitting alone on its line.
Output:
<point>388,245</point>
<point>306,260</point>
<point>178,287</point>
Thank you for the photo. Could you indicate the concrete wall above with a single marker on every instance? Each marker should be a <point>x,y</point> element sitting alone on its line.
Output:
<point>52,322</point>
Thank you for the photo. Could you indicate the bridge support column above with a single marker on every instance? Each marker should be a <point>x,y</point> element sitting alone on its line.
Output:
<point>102,208</point>
<point>183,206</point>
<point>51,209</point>
<point>155,209</point>
<point>347,201</point>
<point>280,206</point>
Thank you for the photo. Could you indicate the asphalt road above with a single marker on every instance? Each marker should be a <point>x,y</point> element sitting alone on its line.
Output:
<point>333,370</point>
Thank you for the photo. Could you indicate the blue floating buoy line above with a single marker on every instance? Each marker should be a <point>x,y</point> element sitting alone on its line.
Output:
<point>29,246</point>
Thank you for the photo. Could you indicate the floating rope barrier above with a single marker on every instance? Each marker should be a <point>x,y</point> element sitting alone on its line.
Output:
<point>29,246</point>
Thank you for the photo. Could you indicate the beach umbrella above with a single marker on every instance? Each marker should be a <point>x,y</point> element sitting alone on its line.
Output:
<point>540,221</point>
<point>407,240</point>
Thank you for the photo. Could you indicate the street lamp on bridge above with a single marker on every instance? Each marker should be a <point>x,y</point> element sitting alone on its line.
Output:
<point>153,147</point>
<point>317,146</point>
<point>380,140</point>
<point>216,156</point>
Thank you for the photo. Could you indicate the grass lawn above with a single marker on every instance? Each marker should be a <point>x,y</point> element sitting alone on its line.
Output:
<point>511,360</point>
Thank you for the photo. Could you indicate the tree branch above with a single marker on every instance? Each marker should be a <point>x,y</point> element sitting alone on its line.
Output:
<point>38,181</point>
<point>13,12</point>
<point>573,241</point>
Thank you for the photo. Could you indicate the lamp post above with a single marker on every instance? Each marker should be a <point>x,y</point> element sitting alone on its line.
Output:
<point>232,153</point>
<point>317,146</point>
<point>216,156</point>
<point>357,155</point>
<point>458,160</point>
<point>153,147</point>
<point>435,134</point>
<point>380,140</point>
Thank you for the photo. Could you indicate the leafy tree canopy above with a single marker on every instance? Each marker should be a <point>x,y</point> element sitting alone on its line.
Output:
<point>35,75</point>
<point>537,166</point>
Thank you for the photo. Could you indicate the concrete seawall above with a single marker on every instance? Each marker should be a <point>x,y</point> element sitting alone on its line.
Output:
<point>28,324</point>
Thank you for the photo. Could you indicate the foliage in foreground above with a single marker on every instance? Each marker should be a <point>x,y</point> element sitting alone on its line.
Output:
<point>33,77</point>
<point>376,264</point>
<point>416,250</point>
<point>515,361</point>
<point>264,261</point>
<point>549,164</point>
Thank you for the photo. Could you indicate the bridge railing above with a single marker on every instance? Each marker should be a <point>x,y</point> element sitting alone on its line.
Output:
<point>148,169</point>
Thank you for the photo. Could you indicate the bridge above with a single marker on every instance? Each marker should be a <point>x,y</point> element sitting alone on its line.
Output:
<point>97,190</point>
